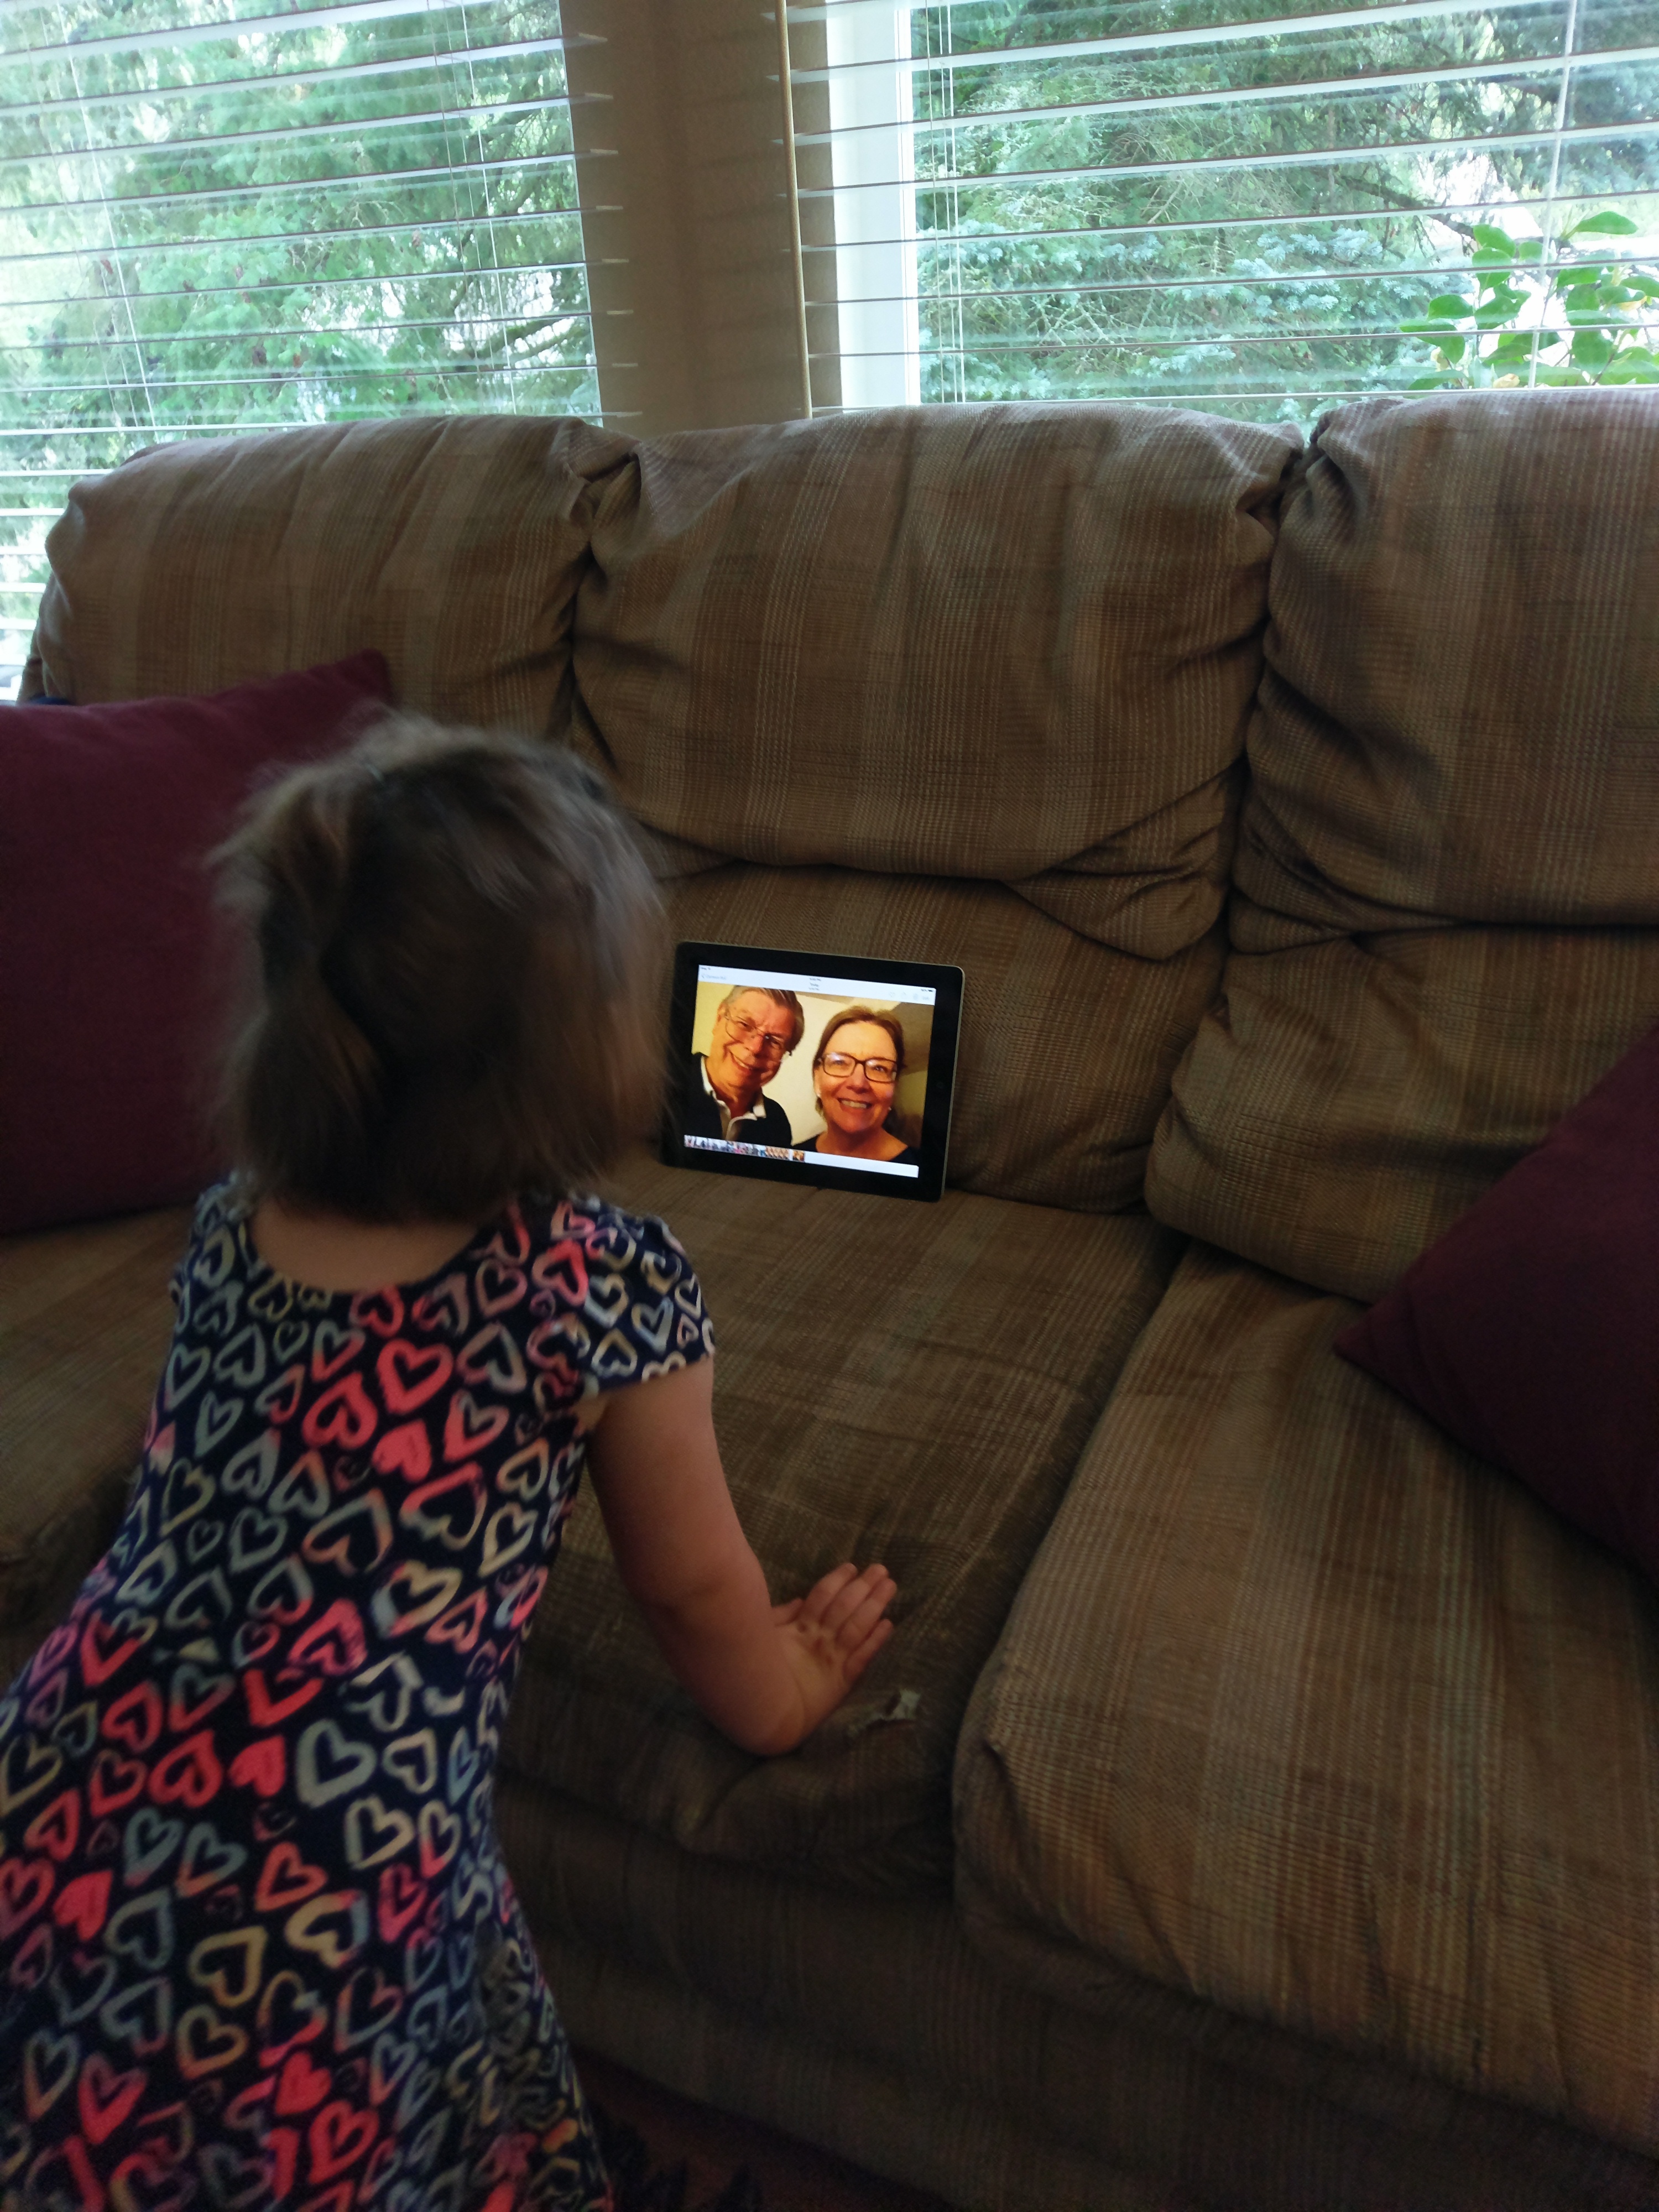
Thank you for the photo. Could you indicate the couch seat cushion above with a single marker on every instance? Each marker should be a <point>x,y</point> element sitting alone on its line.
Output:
<point>1307,1711</point>
<point>739,1979</point>
<point>905,1383</point>
<point>84,1322</point>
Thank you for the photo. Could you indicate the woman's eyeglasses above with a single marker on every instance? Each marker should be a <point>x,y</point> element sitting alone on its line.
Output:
<point>837,1064</point>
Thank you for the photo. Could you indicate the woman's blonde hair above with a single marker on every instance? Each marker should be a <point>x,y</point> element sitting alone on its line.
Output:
<point>460,960</point>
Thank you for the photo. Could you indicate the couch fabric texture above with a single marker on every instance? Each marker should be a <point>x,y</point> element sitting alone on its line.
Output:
<point>1343,1731</point>
<point>1459,721</point>
<point>934,2062</point>
<point>1342,1103</point>
<point>84,1322</point>
<point>1016,645</point>
<point>1445,849</point>
<point>1273,1774</point>
<point>453,546</point>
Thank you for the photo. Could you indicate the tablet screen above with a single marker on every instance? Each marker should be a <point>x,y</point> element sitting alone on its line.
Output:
<point>813,1068</point>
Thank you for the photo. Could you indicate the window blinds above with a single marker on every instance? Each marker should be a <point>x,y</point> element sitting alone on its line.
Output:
<point>1250,208</point>
<point>216,218</point>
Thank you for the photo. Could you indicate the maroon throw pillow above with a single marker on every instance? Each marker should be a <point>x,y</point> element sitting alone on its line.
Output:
<point>1528,1332</point>
<point>107,930</point>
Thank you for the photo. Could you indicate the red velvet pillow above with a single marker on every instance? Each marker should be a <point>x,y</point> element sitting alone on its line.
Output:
<point>107,926</point>
<point>1530,1332</point>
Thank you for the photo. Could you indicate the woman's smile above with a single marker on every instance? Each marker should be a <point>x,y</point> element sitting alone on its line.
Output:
<point>851,1102</point>
<point>855,1102</point>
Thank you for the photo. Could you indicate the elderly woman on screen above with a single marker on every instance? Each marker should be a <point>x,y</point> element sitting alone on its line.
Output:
<point>855,1072</point>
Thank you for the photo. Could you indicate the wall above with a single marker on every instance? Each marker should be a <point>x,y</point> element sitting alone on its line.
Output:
<point>679,121</point>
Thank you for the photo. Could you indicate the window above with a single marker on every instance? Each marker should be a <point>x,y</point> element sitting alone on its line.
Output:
<point>1231,204</point>
<point>223,216</point>
<point>227,214</point>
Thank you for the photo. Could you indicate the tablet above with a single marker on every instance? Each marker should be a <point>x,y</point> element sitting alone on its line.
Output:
<point>812,1068</point>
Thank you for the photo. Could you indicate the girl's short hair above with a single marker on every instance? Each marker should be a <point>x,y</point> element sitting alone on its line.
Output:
<point>460,967</point>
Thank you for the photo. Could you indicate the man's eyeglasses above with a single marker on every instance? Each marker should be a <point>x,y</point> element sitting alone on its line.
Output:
<point>758,1039</point>
<point>839,1064</point>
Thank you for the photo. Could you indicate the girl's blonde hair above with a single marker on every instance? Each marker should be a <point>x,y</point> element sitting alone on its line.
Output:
<point>460,962</point>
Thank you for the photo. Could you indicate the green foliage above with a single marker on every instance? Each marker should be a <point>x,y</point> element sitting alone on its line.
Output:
<point>344,218</point>
<point>351,217</point>
<point>1231,225</point>
<point>1597,316</point>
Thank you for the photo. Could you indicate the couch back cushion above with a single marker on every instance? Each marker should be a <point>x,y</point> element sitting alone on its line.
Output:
<point>981,676</point>
<point>992,664</point>
<point>1444,927</point>
<point>1015,644</point>
<point>1342,1103</point>
<point>452,545</point>
<point>1460,716</point>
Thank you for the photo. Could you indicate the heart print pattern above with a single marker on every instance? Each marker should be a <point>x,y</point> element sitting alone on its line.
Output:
<point>258,1947</point>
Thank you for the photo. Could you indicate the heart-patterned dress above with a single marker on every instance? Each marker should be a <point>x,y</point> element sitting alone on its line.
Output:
<point>258,1947</point>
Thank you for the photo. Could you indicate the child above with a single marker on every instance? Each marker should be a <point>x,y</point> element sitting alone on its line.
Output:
<point>256,1944</point>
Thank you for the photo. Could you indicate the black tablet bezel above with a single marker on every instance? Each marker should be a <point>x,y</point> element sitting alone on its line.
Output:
<point>946,984</point>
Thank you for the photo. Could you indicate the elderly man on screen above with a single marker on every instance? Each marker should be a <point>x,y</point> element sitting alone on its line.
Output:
<point>755,1031</point>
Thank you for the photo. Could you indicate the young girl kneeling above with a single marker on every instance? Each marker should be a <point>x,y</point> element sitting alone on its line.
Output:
<point>258,1947</point>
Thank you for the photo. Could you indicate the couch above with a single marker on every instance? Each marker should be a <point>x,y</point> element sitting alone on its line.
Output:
<point>1256,1805</point>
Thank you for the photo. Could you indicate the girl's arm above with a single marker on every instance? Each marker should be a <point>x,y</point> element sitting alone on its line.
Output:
<point>765,1674</point>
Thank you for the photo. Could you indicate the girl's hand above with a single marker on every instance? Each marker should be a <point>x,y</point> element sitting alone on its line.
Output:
<point>830,1636</point>
<point>766,1675</point>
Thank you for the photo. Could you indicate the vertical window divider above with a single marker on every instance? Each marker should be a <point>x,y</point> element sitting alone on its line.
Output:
<point>786,97</point>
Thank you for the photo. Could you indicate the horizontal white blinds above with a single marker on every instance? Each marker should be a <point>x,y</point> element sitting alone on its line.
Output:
<point>216,218</point>
<point>1222,206</point>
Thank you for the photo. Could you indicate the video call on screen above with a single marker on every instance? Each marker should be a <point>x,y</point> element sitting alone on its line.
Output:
<point>790,1089</point>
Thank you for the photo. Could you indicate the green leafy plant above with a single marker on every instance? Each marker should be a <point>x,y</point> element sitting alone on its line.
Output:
<point>1592,313</point>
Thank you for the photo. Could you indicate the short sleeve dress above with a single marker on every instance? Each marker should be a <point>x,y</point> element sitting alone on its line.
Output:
<point>258,1947</point>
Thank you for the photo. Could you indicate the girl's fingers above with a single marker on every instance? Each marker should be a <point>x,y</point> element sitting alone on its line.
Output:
<point>874,1582</point>
<point>855,1614</point>
<point>854,1662</point>
<point>844,1614</point>
<point>864,1616</point>
<point>852,1593</point>
<point>827,1588</point>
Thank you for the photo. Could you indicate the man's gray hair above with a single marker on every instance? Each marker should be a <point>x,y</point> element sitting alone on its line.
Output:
<point>791,1005</point>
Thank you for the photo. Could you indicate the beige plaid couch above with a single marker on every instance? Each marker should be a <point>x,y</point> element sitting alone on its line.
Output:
<point>1276,1820</point>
